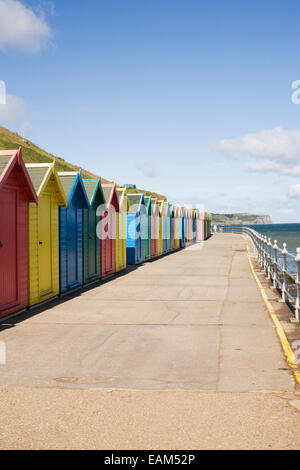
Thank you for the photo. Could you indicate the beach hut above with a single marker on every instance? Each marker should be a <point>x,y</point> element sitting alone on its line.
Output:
<point>160,228</point>
<point>173,227</point>
<point>181,227</point>
<point>91,226</point>
<point>189,225</point>
<point>207,225</point>
<point>195,221</point>
<point>200,227</point>
<point>121,224</point>
<point>136,229</point>
<point>16,192</point>
<point>177,227</point>
<point>109,230</point>
<point>71,231</point>
<point>43,247</point>
<point>154,222</point>
<point>147,234</point>
<point>166,233</point>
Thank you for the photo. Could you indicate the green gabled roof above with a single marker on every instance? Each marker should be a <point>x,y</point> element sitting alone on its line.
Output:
<point>147,199</point>
<point>37,174</point>
<point>134,202</point>
<point>67,180</point>
<point>90,187</point>
<point>4,159</point>
<point>93,188</point>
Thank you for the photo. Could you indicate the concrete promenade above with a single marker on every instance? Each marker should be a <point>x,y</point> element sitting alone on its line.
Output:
<point>178,353</point>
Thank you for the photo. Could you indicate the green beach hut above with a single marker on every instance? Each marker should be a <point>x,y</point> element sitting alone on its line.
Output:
<point>91,241</point>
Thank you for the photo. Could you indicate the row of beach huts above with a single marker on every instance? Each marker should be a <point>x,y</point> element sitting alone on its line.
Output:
<point>59,231</point>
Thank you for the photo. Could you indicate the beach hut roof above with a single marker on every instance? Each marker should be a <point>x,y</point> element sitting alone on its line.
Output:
<point>111,196</point>
<point>70,180</point>
<point>176,211</point>
<point>122,193</point>
<point>162,207</point>
<point>155,207</point>
<point>172,208</point>
<point>135,201</point>
<point>93,190</point>
<point>40,174</point>
<point>11,160</point>
<point>167,208</point>
<point>148,203</point>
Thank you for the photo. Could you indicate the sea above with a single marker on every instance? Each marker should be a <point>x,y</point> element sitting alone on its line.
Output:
<point>283,233</point>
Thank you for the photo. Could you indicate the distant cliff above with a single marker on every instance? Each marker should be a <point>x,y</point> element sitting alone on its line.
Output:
<point>241,219</point>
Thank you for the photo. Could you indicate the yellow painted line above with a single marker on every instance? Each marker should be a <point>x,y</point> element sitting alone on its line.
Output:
<point>279,329</point>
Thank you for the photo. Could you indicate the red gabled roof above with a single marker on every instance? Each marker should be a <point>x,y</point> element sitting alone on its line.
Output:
<point>16,163</point>
<point>156,210</point>
<point>112,198</point>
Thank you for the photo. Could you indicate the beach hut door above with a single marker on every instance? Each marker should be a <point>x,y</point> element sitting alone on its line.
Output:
<point>92,242</point>
<point>45,251</point>
<point>8,249</point>
<point>72,244</point>
<point>139,239</point>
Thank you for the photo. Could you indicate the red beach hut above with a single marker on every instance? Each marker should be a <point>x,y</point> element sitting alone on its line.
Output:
<point>16,191</point>
<point>108,234</point>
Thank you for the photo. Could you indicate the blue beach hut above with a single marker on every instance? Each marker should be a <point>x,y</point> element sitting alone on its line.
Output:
<point>71,231</point>
<point>166,226</point>
<point>135,228</point>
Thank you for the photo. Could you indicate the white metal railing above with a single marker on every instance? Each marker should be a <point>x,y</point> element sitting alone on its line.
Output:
<point>274,261</point>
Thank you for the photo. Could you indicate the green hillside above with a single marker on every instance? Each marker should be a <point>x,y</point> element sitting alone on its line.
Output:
<point>33,154</point>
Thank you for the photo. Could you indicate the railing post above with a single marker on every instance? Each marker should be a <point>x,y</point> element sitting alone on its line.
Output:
<point>275,266</point>
<point>261,251</point>
<point>284,271</point>
<point>269,258</point>
<point>297,306</point>
<point>265,255</point>
<point>254,239</point>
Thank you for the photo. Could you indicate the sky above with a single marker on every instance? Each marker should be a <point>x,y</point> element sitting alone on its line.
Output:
<point>193,99</point>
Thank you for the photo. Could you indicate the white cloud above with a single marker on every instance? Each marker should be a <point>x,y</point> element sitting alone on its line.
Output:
<point>12,110</point>
<point>273,150</point>
<point>294,191</point>
<point>147,168</point>
<point>21,28</point>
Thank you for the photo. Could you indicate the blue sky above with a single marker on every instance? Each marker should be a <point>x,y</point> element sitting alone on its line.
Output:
<point>189,98</point>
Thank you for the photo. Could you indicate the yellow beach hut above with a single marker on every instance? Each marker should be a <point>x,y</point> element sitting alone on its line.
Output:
<point>121,229</point>
<point>43,232</point>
